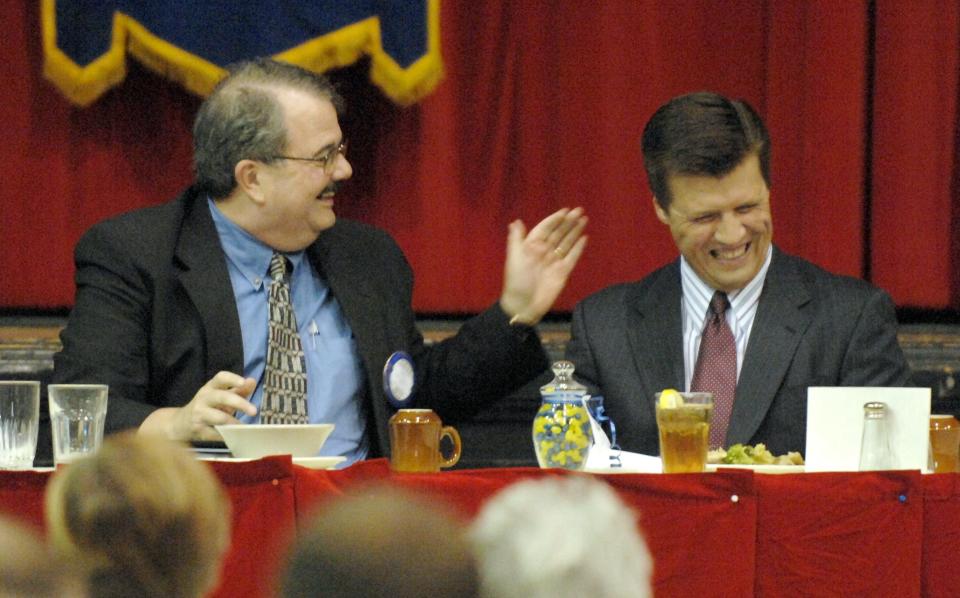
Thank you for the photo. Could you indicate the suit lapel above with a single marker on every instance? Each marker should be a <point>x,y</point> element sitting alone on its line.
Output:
<point>203,274</point>
<point>780,324</point>
<point>656,333</point>
<point>346,277</point>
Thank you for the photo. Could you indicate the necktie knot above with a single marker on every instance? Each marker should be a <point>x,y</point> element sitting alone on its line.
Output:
<point>279,266</point>
<point>719,303</point>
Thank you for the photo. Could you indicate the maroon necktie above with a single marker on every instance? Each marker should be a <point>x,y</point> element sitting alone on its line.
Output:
<point>716,369</point>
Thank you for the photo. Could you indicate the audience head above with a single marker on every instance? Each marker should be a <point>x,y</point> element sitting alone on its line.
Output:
<point>142,517</point>
<point>704,134</point>
<point>560,537</point>
<point>28,570</point>
<point>243,119</point>
<point>381,542</point>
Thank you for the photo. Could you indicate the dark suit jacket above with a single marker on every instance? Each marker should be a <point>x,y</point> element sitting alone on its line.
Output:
<point>155,318</point>
<point>812,328</point>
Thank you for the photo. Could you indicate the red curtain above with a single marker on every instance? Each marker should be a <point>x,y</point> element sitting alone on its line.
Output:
<point>542,107</point>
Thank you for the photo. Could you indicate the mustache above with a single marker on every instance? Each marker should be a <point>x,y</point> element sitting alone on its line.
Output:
<point>330,189</point>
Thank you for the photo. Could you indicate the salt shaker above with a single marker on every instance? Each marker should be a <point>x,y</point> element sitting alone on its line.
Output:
<point>875,451</point>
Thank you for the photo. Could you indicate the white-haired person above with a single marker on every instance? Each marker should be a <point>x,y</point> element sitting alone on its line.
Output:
<point>560,537</point>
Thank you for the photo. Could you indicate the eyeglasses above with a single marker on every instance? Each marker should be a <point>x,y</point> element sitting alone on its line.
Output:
<point>327,161</point>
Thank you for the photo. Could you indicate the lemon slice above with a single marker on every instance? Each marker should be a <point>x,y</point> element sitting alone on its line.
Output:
<point>670,399</point>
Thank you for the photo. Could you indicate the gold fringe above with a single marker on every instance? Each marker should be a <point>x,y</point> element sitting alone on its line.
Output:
<point>83,85</point>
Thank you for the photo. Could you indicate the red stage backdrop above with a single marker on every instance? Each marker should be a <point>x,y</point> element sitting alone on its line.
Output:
<point>542,106</point>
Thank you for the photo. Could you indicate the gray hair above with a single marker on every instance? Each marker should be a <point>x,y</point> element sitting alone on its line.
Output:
<point>242,119</point>
<point>557,538</point>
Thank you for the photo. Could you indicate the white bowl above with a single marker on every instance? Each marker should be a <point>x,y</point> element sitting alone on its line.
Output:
<point>252,441</point>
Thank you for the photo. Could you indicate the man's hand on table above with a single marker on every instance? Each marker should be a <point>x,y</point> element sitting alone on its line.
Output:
<point>213,405</point>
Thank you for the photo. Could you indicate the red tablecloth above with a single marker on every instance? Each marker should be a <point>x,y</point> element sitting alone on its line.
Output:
<point>828,534</point>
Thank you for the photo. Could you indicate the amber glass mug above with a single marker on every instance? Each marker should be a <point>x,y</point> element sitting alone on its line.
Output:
<point>945,443</point>
<point>415,436</point>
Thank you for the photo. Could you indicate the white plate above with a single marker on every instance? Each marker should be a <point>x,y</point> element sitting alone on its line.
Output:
<point>764,468</point>
<point>308,462</point>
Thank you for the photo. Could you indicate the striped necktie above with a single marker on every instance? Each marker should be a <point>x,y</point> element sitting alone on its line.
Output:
<point>285,376</point>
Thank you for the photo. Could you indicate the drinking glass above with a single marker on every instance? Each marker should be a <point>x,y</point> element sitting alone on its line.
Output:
<point>19,422</point>
<point>77,413</point>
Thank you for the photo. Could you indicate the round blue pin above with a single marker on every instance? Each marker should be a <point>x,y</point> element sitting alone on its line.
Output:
<point>398,379</point>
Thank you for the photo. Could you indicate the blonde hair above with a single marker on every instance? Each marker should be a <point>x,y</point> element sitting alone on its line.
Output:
<point>27,567</point>
<point>142,515</point>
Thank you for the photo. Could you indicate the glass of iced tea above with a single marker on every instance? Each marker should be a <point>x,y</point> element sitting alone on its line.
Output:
<point>683,419</point>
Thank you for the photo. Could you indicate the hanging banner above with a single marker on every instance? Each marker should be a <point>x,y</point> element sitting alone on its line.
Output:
<point>85,42</point>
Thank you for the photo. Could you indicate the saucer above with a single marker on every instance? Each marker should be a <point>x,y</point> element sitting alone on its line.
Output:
<point>318,462</point>
<point>308,462</point>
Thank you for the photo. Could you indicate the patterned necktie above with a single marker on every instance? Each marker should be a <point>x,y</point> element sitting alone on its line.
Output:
<point>285,377</point>
<point>716,369</point>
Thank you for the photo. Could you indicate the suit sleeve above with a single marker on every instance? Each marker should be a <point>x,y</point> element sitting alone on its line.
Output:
<point>874,356</point>
<point>580,352</point>
<point>106,337</point>
<point>484,361</point>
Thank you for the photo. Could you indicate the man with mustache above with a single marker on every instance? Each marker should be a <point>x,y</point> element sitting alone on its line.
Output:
<point>173,301</point>
<point>782,324</point>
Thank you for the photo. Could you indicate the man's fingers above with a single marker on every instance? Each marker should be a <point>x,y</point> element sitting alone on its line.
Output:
<point>226,379</point>
<point>544,228</point>
<point>575,252</point>
<point>516,231</point>
<point>228,392</point>
<point>570,237</point>
<point>228,401</point>
<point>564,226</point>
<point>215,417</point>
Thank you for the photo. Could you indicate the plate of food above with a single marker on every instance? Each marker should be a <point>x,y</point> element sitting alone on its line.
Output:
<point>755,458</point>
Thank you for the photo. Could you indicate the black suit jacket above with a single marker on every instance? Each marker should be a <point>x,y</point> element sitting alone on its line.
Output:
<point>812,328</point>
<point>155,318</point>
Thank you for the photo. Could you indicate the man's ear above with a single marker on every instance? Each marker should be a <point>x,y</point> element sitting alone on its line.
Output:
<point>249,179</point>
<point>662,215</point>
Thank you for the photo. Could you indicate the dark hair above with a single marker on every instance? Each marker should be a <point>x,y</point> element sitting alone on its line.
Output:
<point>381,541</point>
<point>242,119</point>
<point>701,133</point>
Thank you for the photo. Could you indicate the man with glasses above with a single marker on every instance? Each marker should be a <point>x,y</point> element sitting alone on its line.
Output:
<point>245,299</point>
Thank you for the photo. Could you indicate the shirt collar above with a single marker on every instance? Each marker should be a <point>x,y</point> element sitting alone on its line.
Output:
<point>697,294</point>
<point>250,255</point>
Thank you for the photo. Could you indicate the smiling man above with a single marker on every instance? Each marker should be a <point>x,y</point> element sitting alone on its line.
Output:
<point>246,299</point>
<point>733,315</point>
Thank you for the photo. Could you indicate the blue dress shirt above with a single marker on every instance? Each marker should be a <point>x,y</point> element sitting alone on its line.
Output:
<point>334,374</point>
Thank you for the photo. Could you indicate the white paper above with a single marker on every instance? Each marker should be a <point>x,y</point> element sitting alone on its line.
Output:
<point>599,459</point>
<point>599,462</point>
<point>835,426</point>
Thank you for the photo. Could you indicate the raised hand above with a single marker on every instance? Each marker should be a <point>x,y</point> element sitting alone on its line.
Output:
<point>539,263</point>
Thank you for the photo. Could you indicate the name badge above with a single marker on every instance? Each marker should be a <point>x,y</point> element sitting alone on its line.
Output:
<point>398,379</point>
